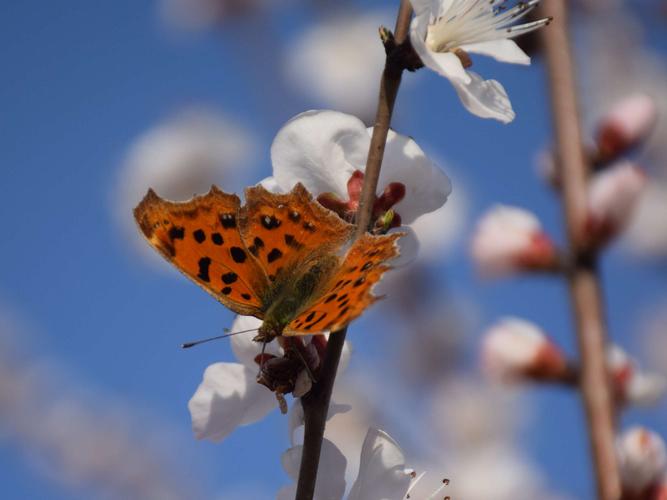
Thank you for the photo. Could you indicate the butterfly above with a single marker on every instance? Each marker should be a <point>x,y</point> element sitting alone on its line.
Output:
<point>282,258</point>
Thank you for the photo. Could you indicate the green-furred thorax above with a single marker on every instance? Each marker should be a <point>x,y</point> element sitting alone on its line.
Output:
<point>294,296</point>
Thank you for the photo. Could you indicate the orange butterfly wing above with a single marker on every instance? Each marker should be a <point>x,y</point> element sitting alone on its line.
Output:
<point>285,231</point>
<point>201,238</point>
<point>348,292</point>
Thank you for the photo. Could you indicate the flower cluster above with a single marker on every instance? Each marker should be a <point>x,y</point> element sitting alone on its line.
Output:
<point>325,151</point>
<point>444,33</point>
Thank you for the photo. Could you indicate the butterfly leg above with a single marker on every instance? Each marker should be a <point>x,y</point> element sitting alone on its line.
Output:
<point>295,348</point>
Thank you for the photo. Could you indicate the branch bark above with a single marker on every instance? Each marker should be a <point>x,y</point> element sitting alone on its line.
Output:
<point>584,283</point>
<point>316,402</point>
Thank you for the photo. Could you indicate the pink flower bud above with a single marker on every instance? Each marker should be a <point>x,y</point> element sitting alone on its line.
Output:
<point>629,383</point>
<point>626,124</point>
<point>642,460</point>
<point>517,349</point>
<point>510,239</point>
<point>612,196</point>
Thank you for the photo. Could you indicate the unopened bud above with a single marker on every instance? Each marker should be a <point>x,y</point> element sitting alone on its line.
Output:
<point>629,383</point>
<point>626,124</point>
<point>517,349</point>
<point>612,197</point>
<point>642,460</point>
<point>510,239</point>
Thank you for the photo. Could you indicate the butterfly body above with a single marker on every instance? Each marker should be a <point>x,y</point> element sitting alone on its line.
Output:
<point>282,258</point>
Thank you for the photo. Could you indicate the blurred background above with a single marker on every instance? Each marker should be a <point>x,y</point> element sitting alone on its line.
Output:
<point>101,100</point>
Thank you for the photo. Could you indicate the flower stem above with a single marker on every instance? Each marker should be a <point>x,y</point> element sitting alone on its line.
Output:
<point>584,283</point>
<point>316,402</point>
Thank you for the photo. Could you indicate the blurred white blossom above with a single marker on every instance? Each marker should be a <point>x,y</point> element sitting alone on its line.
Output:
<point>627,123</point>
<point>339,62</point>
<point>631,384</point>
<point>612,196</point>
<point>444,33</point>
<point>514,349</point>
<point>179,158</point>
<point>647,231</point>
<point>613,68</point>
<point>642,460</point>
<point>510,239</point>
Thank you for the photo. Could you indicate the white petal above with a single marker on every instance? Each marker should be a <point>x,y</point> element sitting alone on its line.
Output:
<point>421,5</point>
<point>485,98</point>
<point>331,482</point>
<point>320,149</point>
<point>228,397</point>
<point>427,187</point>
<point>246,349</point>
<point>271,184</point>
<point>443,63</point>
<point>408,245</point>
<point>382,471</point>
<point>501,50</point>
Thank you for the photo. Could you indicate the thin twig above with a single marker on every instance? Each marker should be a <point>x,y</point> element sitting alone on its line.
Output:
<point>584,284</point>
<point>316,402</point>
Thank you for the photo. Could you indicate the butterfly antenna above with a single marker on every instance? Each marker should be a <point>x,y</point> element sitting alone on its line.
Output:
<point>187,345</point>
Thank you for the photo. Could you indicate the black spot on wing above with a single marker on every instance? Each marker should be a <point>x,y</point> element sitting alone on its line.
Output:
<point>274,254</point>
<point>294,216</point>
<point>199,235</point>
<point>256,246</point>
<point>216,238</point>
<point>292,242</point>
<point>229,278</point>
<point>227,290</point>
<point>269,222</point>
<point>228,220</point>
<point>204,264</point>
<point>176,233</point>
<point>238,254</point>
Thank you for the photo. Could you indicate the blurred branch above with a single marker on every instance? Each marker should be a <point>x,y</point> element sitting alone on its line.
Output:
<point>316,402</point>
<point>583,277</point>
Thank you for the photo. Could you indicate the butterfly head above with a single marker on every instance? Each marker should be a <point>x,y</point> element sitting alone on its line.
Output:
<point>269,330</point>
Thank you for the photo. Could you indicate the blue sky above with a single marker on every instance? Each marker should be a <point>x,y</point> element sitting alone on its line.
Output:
<point>81,81</point>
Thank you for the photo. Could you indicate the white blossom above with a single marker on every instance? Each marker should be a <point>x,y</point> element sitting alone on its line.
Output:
<point>509,239</point>
<point>326,151</point>
<point>382,475</point>
<point>229,395</point>
<point>445,32</point>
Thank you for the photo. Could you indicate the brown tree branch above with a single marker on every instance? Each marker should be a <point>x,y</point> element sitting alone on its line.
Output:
<point>584,284</point>
<point>316,402</point>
